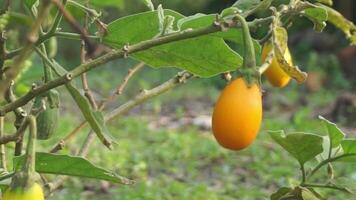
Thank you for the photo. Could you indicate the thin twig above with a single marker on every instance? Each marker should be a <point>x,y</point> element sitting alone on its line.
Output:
<point>2,146</point>
<point>60,145</point>
<point>119,90</point>
<point>83,55</point>
<point>76,27</point>
<point>138,99</point>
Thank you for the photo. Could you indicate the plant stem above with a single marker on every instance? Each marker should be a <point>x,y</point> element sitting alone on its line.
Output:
<point>147,94</point>
<point>249,50</point>
<point>325,186</point>
<point>302,169</point>
<point>324,162</point>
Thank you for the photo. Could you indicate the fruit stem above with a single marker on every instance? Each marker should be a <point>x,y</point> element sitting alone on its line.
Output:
<point>249,50</point>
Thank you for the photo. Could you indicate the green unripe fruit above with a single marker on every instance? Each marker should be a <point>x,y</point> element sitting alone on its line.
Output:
<point>47,120</point>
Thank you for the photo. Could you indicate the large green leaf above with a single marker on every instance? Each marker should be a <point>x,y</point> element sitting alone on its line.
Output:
<point>302,146</point>
<point>204,56</point>
<point>202,20</point>
<point>335,134</point>
<point>72,166</point>
<point>135,28</point>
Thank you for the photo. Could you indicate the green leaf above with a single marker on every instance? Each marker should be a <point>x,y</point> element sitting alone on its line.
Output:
<point>280,44</point>
<point>302,146</point>
<point>326,146</point>
<point>348,27</point>
<point>72,166</point>
<point>149,4</point>
<point>335,134</point>
<point>248,7</point>
<point>349,146</point>
<point>281,192</point>
<point>135,28</point>
<point>106,3</point>
<point>203,56</point>
<point>318,16</point>
<point>326,2</point>
<point>95,119</point>
<point>245,5</point>
<point>308,195</point>
<point>30,3</point>
<point>348,184</point>
<point>201,20</point>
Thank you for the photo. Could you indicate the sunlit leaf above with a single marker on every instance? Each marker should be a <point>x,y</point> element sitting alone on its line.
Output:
<point>326,2</point>
<point>318,16</point>
<point>302,146</point>
<point>308,195</point>
<point>30,3</point>
<point>349,146</point>
<point>204,56</point>
<point>106,3</point>
<point>247,7</point>
<point>280,193</point>
<point>280,42</point>
<point>335,134</point>
<point>72,166</point>
<point>95,119</point>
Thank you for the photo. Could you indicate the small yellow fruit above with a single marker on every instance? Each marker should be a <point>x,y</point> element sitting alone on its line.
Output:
<point>275,74</point>
<point>34,192</point>
<point>237,115</point>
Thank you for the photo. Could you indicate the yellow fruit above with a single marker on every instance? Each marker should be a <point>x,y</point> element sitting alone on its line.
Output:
<point>275,74</point>
<point>237,115</point>
<point>34,192</point>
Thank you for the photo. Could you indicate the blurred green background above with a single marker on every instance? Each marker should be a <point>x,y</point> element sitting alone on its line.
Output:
<point>166,144</point>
